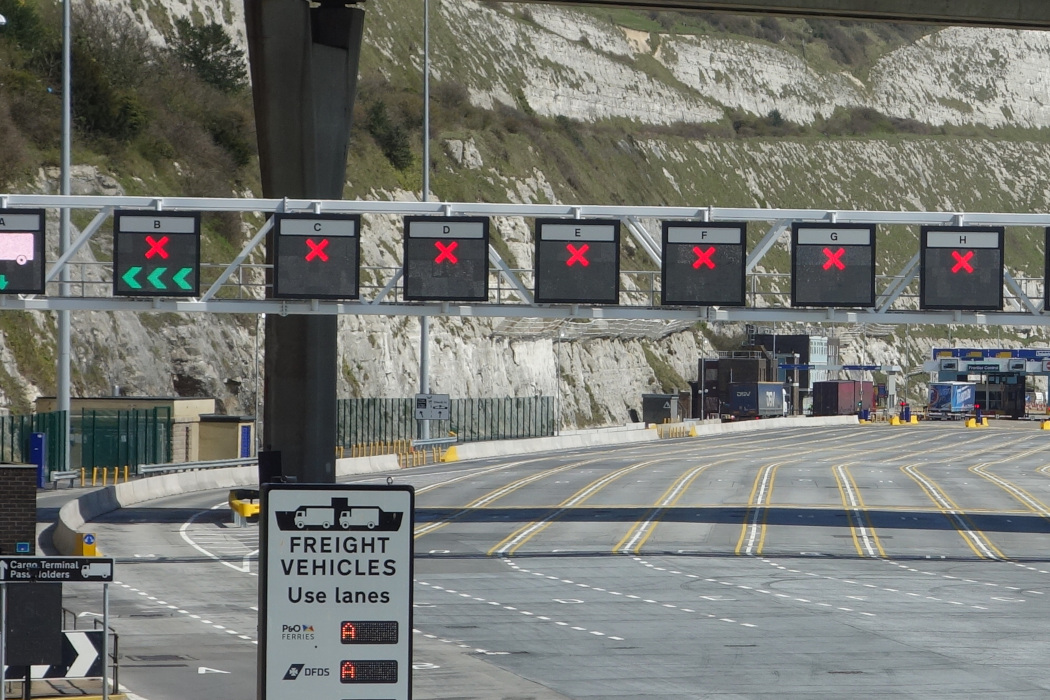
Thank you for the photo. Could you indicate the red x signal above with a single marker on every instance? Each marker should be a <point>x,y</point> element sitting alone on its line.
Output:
<point>576,256</point>
<point>703,257</point>
<point>156,247</point>
<point>446,252</point>
<point>834,259</point>
<point>962,261</point>
<point>317,249</point>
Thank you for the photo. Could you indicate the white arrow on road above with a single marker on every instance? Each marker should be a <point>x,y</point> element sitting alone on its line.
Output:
<point>205,669</point>
<point>89,614</point>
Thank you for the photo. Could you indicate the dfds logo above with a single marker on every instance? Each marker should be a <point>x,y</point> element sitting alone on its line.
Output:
<point>293,633</point>
<point>296,670</point>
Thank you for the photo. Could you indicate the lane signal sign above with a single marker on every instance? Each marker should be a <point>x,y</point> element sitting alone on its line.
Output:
<point>703,263</point>
<point>22,251</point>
<point>577,261</point>
<point>156,253</point>
<point>446,258</point>
<point>316,256</point>
<point>961,267</point>
<point>832,264</point>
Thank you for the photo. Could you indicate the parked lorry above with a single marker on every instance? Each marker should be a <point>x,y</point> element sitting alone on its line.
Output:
<point>756,400</point>
<point>951,400</point>
<point>843,397</point>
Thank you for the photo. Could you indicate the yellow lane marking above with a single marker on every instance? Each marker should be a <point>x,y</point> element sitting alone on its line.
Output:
<point>753,531</point>
<point>643,529</point>
<point>974,538</point>
<point>865,539</point>
<point>511,543</point>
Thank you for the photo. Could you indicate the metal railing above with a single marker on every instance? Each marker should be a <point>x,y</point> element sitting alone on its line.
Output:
<point>172,467</point>
<point>389,420</point>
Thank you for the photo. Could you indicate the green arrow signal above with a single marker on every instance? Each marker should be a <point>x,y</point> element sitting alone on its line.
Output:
<point>154,277</point>
<point>129,277</point>
<point>3,281</point>
<point>179,277</point>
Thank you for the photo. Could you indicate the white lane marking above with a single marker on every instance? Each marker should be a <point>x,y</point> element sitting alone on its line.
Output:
<point>523,612</point>
<point>514,565</point>
<point>954,514</point>
<point>765,485</point>
<point>243,568</point>
<point>864,534</point>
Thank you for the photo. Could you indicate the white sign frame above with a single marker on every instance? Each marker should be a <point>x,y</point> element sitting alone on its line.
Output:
<point>330,554</point>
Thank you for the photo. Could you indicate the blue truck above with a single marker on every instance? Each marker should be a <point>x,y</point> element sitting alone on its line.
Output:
<point>951,400</point>
<point>756,400</point>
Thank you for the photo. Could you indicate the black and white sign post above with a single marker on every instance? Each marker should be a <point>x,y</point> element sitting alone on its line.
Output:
<point>36,570</point>
<point>335,600</point>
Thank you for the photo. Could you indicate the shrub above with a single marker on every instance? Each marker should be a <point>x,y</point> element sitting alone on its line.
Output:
<point>209,51</point>
<point>391,138</point>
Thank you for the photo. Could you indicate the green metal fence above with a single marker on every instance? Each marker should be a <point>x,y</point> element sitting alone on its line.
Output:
<point>109,438</point>
<point>361,421</point>
<point>15,432</point>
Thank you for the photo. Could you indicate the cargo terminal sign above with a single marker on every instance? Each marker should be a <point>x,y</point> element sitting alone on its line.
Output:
<point>56,569</point>
<point>336,594</point>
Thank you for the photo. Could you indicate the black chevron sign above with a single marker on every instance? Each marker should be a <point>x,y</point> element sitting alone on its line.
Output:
<point>81,658</point>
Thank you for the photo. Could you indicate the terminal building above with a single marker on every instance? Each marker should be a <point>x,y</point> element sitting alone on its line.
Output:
<point>1009,380</point>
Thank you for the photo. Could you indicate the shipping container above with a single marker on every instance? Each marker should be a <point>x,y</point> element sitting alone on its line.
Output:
<point>843,397</point>
<point>834,398</point>
<point>756,400</point>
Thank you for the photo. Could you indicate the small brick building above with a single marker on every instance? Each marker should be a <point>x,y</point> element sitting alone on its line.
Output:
<point>17,507</point>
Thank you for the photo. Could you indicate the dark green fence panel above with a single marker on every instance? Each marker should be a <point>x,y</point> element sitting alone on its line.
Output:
<point>15,432</point>
<point>363,421</point>
<point>133,437</point>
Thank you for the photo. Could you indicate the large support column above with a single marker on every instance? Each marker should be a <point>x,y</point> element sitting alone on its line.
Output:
<point>304,63</point>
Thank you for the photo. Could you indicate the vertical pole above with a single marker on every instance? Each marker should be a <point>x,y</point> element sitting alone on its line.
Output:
<point>424,321</point>
<point>63,369</point>
<point>557,396</point>
<point>424,369</point>
<point>105,641</point>
<point>3,639</point>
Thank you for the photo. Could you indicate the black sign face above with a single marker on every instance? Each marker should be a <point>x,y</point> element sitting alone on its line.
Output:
<point>577,261</point>
<point>22,251</point>
<point>832,265</point>
<point>56,569</point>
<point>316,256</point>
<point>156,254</point>
<point>962,268</point>
<point>446,258</point>
<point>703,264</point>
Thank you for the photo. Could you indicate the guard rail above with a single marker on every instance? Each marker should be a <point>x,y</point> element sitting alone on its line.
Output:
<point>172,467</point>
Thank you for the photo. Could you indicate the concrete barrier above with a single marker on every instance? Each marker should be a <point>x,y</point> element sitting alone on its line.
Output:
<point>74,514</point>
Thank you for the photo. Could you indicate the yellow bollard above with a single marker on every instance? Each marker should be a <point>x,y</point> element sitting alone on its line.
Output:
<point>84,545</point>
<point>94,475</point>
<point>83,473</point>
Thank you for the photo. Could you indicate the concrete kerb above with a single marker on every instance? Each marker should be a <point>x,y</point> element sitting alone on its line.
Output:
<point>74,514</point>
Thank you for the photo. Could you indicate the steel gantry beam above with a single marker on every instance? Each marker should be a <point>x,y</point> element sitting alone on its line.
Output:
<point>510,295</point>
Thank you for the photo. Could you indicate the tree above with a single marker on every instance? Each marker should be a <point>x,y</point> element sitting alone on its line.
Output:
<point>209,52</point>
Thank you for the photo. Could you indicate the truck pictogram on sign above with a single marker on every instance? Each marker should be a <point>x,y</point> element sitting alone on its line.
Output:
<point>339,515</point>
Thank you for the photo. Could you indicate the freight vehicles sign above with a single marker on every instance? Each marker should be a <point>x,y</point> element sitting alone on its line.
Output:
<point>336,594</point>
